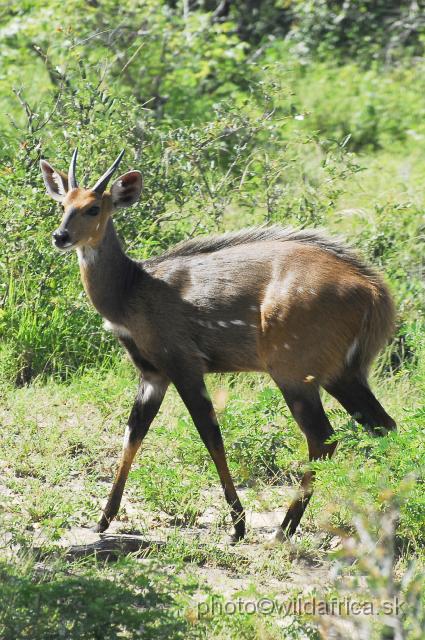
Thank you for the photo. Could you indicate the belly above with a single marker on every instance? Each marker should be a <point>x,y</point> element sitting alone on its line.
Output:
<point>228,344</point>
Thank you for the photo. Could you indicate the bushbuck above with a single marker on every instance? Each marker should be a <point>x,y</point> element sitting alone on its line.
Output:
<point>289,302</point>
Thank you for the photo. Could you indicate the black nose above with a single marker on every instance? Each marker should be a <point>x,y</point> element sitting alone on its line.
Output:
<point>60,237</point>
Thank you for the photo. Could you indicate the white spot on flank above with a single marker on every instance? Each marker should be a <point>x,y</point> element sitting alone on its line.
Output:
<point>117,329</point>
<point>221,323</point>
<point>203,355</point>
<point>286,345</point>
<point>238,322</point>
<point>351,351</point>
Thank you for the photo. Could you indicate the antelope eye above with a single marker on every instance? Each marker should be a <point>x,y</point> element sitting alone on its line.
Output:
<point>93,211</point>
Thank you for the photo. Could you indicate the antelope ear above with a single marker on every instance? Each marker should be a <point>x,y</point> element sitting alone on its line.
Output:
<point>56,181</point>
<point>126,189</point>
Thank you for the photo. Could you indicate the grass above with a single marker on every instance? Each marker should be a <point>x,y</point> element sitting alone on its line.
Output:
<point>66,390</point>
<point>54,433</point>
<point>60,443</point>
<point>58,449</point>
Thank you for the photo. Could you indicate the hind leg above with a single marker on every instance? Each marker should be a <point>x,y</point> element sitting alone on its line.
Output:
<point>305,405</point>
<point>356,397</point>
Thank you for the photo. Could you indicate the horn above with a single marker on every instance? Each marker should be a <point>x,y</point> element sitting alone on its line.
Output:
<point>72,180</point>
<point>101,184</point>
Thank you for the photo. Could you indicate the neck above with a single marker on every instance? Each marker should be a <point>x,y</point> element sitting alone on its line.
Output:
<point>107,274</point>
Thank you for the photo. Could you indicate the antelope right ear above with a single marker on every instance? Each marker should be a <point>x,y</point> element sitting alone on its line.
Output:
<point>56,181</point>
<point>127,189</point>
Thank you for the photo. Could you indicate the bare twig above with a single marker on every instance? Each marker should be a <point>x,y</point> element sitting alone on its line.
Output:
<point>91,37</point>
<point>132,57</point>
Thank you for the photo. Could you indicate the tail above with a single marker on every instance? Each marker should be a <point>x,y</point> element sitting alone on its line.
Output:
<point>378,327</point>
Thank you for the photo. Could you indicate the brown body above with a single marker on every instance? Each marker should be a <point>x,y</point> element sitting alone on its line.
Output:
<point>291,303</point>
<point>287,307</point>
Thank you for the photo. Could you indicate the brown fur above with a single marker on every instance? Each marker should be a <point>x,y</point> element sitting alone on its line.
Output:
<point>293,303</point>
<point>312,299</point>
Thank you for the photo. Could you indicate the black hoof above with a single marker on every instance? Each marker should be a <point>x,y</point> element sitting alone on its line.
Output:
<point>101,526</point>
<point>237,536</point>
<point>380,432</point>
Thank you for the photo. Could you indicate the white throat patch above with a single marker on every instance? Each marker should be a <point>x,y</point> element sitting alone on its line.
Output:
<point>86,255</point>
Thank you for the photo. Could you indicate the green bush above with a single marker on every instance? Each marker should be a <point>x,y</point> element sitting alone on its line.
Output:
<point>138,598</point>
<point>368,29</point>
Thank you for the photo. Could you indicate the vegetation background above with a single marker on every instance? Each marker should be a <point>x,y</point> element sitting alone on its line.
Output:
<point>289,111</point>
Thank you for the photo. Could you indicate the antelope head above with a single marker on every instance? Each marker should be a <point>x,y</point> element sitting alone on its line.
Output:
<point>86,211</point>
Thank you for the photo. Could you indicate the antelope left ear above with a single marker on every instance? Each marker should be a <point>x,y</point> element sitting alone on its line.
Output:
<point>56,182</point>
<point>127,189</point>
